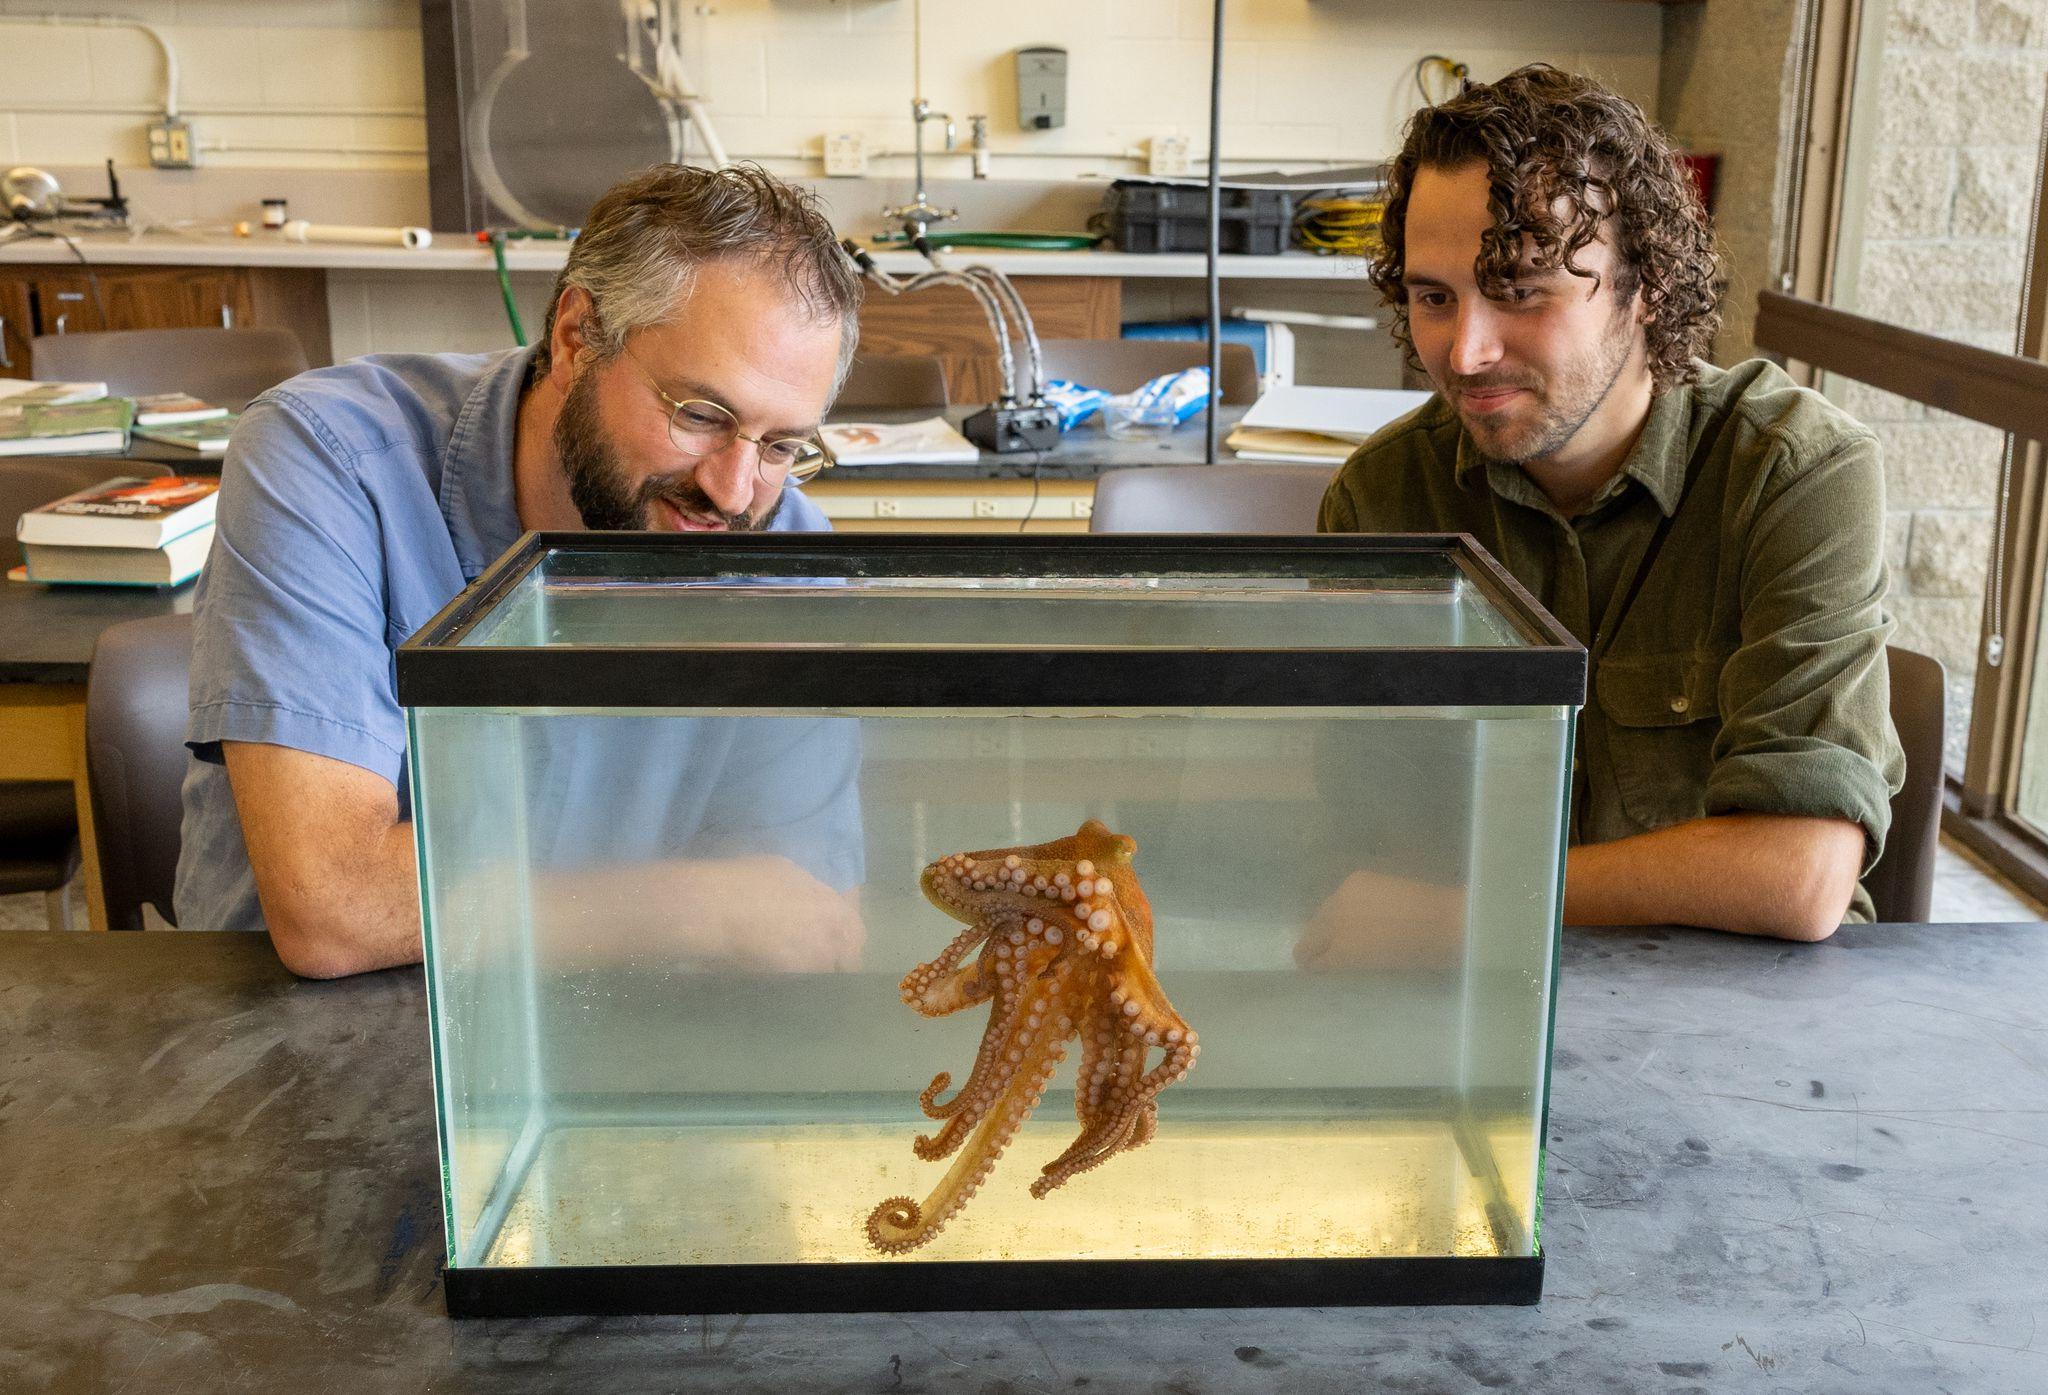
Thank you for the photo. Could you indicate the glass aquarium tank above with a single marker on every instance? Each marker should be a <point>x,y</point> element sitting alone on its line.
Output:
<point>884,922</point>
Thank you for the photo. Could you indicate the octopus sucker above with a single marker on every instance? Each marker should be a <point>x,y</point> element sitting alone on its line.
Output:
<point>1065,938</point>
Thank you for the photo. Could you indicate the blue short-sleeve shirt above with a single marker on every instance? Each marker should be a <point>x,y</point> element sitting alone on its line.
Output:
<point>355,502</point>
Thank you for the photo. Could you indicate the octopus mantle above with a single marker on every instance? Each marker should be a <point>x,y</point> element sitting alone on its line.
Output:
<point>1064,934</point>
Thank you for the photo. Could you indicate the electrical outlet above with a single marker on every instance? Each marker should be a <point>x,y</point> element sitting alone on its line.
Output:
<point>887,508</point>
<point>984,508</point>
<point>846,154</point>
<point>171,146</point>
<point>1168,155</point>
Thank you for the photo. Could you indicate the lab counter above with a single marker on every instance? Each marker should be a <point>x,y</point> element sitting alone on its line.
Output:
<point>1039,492</point>
<point>461,252</point>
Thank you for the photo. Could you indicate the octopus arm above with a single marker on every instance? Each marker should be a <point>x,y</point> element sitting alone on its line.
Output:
<point>1115,1096</point>
<point>943,985</point>
<point>900,1224</point>
<point>1025,1012</point>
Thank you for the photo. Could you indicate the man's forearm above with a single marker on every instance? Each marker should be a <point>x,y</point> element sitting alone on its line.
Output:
<point>1753,874</point>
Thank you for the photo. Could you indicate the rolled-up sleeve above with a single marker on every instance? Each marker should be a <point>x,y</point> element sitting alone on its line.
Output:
<point>289,644</point>
<point>1805,698</point>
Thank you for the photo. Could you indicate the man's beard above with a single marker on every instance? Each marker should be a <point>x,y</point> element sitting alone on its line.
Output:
<point>1565,404</point>
<point>606,496</point>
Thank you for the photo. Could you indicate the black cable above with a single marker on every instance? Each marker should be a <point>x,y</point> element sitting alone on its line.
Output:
<point>1215,229</point>
<point>1460,72</point>
<point>1037,459</point>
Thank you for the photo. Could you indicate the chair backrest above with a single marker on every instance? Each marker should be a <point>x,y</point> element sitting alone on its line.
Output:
<point>224,366</point>
<point>1247,498</point>
<point>30,481</point>
<point>1901,885</point>
<point>1118,365</point>
<point>135,709</point>
<point>894,380</point>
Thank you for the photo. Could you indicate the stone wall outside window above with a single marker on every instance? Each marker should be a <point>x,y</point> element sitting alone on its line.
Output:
<point>1950,177</point>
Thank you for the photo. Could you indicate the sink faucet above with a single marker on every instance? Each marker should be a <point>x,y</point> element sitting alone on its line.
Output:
<point>919,214</point>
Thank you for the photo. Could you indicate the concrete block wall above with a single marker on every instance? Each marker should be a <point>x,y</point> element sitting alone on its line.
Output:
<point>336,84</point>
<point>1727,88</point>
<point>1957,102</point>
<point>319,84</point>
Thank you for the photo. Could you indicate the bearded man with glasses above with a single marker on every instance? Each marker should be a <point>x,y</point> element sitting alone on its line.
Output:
<point>701,327</point>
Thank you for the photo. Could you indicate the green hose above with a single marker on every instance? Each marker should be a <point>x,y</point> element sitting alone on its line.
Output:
<point>505,289</point>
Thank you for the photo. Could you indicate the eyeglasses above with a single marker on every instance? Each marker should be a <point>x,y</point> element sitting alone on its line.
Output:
<point>698,428</point>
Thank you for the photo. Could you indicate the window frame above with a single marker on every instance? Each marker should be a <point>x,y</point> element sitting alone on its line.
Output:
<point>1842,48</point>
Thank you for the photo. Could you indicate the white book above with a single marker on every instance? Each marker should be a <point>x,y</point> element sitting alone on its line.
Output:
<point>126,512</point>
<point>177,561</point>
<point>21,392</point>
<point>1349,414</point>
<point>89,443</point>
<point>169,408</point>
<point>932,441</point>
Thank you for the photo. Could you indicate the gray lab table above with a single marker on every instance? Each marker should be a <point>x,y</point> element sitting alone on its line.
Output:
<point>1773,1168</point>
<point>1083,453</point>
<point>47,633</point>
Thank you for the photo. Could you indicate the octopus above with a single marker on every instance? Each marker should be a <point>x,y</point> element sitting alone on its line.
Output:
<point>1064,939</point>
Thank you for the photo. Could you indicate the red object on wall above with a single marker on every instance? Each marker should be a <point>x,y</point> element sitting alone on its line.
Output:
<point>1702,170</point>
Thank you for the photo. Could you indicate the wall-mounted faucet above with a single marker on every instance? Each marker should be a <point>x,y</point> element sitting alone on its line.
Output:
<point>919,214</point>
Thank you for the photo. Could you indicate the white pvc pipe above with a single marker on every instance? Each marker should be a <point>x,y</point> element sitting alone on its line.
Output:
<point>117,22</point>
<point>299,230</point>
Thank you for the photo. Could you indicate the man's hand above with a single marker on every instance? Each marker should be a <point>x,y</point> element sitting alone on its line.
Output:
<point>1781,875</point>
<point>336,873</point>
<point>1375,920</point>
<point>334,866</point>
<point>758,912</point>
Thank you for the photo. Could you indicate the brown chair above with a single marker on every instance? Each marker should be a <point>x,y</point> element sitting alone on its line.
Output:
<point>135,708</point>
<point>39,844</point>
<point>1901,885</point>
<point>39,818</point>
<point>1245,498</point>
<point>1118,365</point>
<point>886,381</point>
<point>226,367</point>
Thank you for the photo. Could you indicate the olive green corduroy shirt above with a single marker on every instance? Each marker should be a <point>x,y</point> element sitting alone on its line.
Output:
<point>1749,673</point>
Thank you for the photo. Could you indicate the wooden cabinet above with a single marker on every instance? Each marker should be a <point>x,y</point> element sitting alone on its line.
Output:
<point>15,329</point>
<point>946,321</point>
<point>43,299</point>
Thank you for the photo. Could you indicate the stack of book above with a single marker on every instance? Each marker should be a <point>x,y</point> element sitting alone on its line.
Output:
<point>125,532</point>
<point>1317,425</point>
<point>81,419</point>
<point>61,418</point>
<point>177,419</point>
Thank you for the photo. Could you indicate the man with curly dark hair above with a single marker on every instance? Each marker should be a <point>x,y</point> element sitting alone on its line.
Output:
<point>1714,537</point>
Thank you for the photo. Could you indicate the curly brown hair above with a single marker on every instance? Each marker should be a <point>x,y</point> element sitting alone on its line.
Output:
<point>1563,154</point>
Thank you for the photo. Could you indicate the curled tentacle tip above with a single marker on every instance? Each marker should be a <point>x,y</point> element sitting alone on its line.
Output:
<point>893,1226</point>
